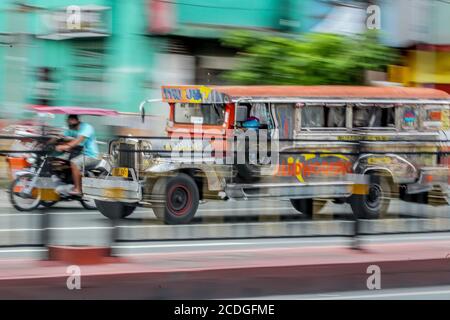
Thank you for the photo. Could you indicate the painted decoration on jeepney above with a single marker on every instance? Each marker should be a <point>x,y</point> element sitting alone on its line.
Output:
<point>194,94</point>
<point>307,166</point>
<point>446,119</point>
<point>409,118</point>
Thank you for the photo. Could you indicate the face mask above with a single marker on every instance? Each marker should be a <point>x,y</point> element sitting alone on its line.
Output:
<point>73,126</point>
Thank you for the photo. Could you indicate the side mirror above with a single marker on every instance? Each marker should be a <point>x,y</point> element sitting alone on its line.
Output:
<point>142,109</point>
<point>241,113</point>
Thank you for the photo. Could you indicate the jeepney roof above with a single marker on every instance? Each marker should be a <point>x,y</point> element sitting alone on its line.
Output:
<point>225,94</point>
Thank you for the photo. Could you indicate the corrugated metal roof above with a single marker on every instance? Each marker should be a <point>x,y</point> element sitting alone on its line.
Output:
<point>332,92</point>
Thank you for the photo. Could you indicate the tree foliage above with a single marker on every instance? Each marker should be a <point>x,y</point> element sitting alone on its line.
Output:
<point>314,59</point>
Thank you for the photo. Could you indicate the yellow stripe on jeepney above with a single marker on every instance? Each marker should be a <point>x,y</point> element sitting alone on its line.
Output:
<point>360,189</point>
<point>114,193</point>
<point>446,119</point>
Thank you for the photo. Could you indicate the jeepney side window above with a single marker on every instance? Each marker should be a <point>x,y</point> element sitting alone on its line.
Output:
<point>433,117</point>
<point>199,113</point>
<point>336,116</point>
<point>284,115</point>
<point>323,117</point>
<point>313,117</point>
<point>374,116</point>
<point>261,111</point>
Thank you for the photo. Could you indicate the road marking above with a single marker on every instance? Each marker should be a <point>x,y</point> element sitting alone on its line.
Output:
<point>57,228</point>
<point>37,214</point>
<point>20,229</point>
<point>21,250</point>
<point>141,210</point>
<point>248,209</point>
<point>219,244</point>
<point>383,295</point>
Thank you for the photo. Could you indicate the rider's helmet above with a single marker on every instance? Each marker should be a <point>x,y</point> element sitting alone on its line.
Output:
<point>252,123</point>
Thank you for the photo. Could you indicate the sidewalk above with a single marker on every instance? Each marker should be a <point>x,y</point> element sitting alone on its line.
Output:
<point>233,273</point>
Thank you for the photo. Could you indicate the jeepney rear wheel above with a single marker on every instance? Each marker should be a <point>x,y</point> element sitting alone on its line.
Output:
<point>114,210</point>
<point>376,202</point>
<point>308,206</point>
<point>181,199</point>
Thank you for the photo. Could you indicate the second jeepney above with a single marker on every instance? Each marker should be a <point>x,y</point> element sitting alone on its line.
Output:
<point>303,144</point>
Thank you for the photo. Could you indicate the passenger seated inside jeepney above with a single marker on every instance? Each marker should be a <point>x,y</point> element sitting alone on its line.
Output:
<point>319,116</point>
<point>257,115</point>
<point>373,116</point>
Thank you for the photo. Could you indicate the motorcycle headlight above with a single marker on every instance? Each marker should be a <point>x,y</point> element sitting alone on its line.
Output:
<point>31,160</point>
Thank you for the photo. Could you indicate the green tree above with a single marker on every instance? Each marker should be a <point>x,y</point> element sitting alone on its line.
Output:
<point>314,59</point>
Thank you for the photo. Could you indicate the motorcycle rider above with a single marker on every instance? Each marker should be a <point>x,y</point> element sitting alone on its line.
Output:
<point>84,135</point>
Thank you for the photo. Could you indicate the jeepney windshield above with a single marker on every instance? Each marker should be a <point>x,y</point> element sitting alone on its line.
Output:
<point>199,113</point>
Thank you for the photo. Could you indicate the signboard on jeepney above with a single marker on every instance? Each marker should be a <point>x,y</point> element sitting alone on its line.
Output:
<point>193,94</point>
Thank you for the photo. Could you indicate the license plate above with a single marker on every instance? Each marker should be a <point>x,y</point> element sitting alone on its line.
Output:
<point>120,172</point>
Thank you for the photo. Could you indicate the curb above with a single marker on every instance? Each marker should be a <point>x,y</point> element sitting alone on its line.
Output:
<point>233,283</point>
<point>81,255</point>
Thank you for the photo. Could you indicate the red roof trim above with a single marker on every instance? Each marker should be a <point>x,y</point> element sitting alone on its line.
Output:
<point>332,92</point>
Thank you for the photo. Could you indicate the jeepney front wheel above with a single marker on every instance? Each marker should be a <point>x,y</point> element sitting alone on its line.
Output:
<point>181,199</point>
<point>376,202</point>
<point>114,210</point>
<point>308,206</point>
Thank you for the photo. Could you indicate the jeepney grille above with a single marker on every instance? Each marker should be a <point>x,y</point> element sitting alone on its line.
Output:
<point>127,156</point>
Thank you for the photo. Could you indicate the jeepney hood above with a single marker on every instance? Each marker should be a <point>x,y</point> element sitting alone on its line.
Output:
<point>160,164</point>
<point>160,167</point>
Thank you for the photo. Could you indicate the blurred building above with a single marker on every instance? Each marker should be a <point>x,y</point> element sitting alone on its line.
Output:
<point>420,28</point>
<point>116,53</point>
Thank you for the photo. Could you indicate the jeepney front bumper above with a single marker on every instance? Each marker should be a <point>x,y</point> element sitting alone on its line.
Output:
<point>431,178</point>
<point>112,189</point>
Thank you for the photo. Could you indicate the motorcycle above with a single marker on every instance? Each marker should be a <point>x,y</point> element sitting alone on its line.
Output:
<point>48,179</point>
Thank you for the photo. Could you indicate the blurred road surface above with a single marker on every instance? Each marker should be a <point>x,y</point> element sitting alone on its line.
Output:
<point>70,224</point>
<point>417,293</point>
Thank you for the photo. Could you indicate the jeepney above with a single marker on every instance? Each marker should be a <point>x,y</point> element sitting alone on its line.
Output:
<point>361,145</point>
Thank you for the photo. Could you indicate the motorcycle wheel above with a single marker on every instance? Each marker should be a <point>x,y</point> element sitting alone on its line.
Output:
<point>47,204</point>
<point>19,202</point>
<point>88,204</point>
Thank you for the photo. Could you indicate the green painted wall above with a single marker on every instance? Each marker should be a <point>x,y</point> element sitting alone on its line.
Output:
<point>129,53</point>
<point>249,13</point>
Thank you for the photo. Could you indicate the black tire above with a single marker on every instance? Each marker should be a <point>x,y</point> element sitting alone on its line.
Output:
<point>114,210</point>
<point>308,206</point>
<point>88,205</point>
<point>48,204</point>
<point>248,173</point>
<point>18,206</point>
<point>376,202</point>
<point>304,206</point>
<point>181,199</point>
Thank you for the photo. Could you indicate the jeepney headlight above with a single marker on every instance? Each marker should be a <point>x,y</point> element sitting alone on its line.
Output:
<point>114,152</point>
<point>146,154</point>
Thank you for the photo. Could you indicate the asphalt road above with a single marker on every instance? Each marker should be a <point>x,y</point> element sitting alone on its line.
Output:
<point>416,293</point>
<point>70,224</point>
